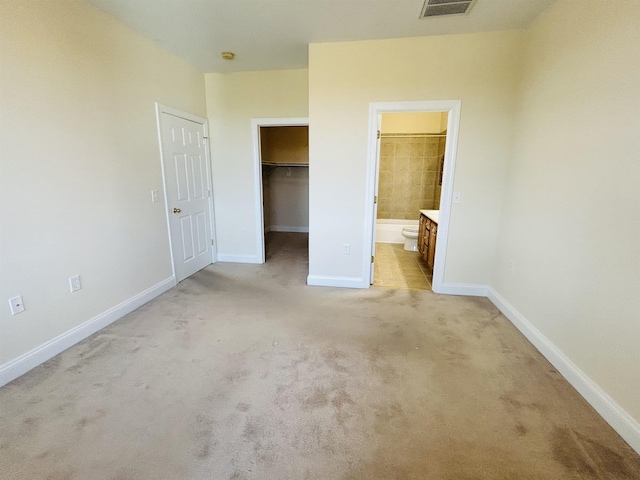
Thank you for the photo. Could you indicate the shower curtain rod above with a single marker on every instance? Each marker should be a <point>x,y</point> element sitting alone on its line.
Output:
<point>412,135</point>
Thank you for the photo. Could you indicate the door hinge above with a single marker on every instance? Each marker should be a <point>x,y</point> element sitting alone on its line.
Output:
<point>375,199</point>
<point>212,242</point>
<point>378,133</point>
<point>209,193</point>
<point>372,258</point>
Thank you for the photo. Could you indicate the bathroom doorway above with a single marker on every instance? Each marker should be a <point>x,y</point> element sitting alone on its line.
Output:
<point>410,176</point>
<point>281,148</point>
<point>410,165</point>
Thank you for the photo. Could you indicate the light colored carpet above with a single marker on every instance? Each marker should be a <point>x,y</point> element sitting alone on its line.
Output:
<point>243,372</point>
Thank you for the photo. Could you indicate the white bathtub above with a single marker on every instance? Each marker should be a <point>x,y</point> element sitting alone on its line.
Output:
<point>390,230</point>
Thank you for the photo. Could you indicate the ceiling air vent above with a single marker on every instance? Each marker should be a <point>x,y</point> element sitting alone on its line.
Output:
<point>437,8</point>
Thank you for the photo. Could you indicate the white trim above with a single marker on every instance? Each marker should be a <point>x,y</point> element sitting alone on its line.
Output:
<point>344,282</point>
<point>160,109</point>
<point>469,290</point>
<point>212,209</point>
<point>232,258</point>
<point>284,228</point>
<point>21,365</point>
<point>256,123</point>
<point>452,107</point>
<point>621,421</point>
<point>374,214</point>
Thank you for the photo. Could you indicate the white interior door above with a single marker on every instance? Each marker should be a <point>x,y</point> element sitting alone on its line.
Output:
<point>187,191</point>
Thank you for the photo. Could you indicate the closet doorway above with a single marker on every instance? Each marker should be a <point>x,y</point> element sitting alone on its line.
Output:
<point>281,151</point>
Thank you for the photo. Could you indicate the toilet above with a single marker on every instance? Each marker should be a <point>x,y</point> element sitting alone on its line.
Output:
<point>410,235</point>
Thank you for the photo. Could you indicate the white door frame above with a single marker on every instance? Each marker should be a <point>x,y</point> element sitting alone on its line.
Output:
<point>160,109</point>
<point>452,107</point>
<point>256,123</point>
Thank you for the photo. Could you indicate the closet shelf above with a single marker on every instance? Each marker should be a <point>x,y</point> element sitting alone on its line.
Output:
<point>282,164</point>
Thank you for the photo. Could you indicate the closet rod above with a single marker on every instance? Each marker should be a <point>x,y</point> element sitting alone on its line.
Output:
<point>282,164</point>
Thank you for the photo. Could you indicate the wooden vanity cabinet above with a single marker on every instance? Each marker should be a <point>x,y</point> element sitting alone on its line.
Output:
<point>422,235</point>
<point>427,235</point>
<point>431,251</point>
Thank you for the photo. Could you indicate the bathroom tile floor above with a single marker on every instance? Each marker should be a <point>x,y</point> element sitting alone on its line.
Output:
<point>399,268</point>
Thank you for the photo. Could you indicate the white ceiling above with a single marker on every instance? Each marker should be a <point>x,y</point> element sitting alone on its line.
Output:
<point>274,34</point>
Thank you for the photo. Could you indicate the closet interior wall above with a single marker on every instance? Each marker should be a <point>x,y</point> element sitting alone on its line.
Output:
<point>285,178</point>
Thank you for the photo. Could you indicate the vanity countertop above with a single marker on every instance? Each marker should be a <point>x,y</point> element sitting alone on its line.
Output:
<point>431,214</point>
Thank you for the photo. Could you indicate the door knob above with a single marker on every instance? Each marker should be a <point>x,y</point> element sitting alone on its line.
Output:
<point>176,210</point>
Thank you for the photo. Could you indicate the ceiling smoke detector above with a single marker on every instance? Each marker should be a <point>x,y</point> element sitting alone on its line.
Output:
<point>228,55</point>
<point>438,8</point>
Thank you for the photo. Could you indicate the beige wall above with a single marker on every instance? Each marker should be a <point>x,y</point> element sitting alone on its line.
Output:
<point>288,199</point>
<point>571,222</point>
<point>79,153</point>
<point>478,69</point>
<point>413,122</point>
<point>285,144</point>
<point>232,101</point>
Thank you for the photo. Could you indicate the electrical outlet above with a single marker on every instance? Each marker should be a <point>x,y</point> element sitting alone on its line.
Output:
<point>346,249</point>
<point>457,197</point>
<point>16,305</point>
<point>511,266</point>
<point>154,196</point>
<point>74,283</point>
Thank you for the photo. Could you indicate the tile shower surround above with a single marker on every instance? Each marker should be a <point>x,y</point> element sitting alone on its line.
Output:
<point>409,176</point>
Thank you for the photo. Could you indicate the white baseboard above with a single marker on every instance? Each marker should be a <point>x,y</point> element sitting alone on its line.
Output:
<point>27,361</point>
<point>232,258</point>
<point>281,228</point>
<point>462,289</point>
<point>345,282</point>
<point>623,423</point>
